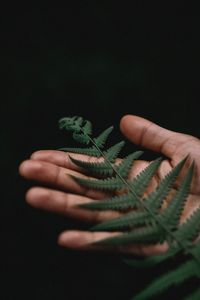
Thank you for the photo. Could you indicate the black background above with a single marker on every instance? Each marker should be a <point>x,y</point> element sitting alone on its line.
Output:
<point>100,61</point>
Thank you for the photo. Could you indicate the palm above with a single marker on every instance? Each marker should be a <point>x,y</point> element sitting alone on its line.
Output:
<point>52,167</point>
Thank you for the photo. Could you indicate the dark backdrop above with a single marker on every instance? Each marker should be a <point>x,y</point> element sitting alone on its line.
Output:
<point>99,61</point>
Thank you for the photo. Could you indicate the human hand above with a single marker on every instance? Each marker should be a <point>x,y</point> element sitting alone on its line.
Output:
<point>51,168</point>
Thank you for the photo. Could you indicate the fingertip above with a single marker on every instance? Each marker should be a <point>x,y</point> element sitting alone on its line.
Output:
<point>124,120</point>
<point>27,167</point>
<point>37,154</point>
<point>30,196</point>
<point>24,166</point>
<point>127,121</point>
<point>36,195</point>
<point>61,239</point>
<point>67,238</point>
<point>20,168</point>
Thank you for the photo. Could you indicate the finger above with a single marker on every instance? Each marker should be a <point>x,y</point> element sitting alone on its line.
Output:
<point>54,176</point>
<point>149,135</point>
<point>59,202</point>
<point>62,159</point>
<point>81,240</point>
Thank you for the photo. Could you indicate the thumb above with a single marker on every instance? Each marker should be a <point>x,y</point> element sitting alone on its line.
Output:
<point>149,135</point>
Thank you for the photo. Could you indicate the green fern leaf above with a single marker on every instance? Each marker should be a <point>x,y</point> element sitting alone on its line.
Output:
<point>149,235</point>
<point>102,138</point>
<point>91,151</point>
<point>122,202</point>
<point>142,180</point>
<point>66,122</point>
<point>87,128</point>
<point>81,138</point>
<point>110,184</point>
<point>112,153</point>
<point>103,168</point>
<point>78,121</point>
<point>81,128</point>
<point>71,124</point>
<point>189,230</point>
<point>127,163</point>
<point>125,222</point>
<point>152,260</point>
<point>129,200</point>
<point>96,168</point>
<point>146,224</point>
<point>171,215</point>
<point>156,198</point>
<point>136,218</point>
<point>175,277</point>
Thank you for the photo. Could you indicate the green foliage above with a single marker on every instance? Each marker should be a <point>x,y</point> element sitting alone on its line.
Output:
<point>189,230</point>
<point>100,168</point>
<point>151,211</point>
<point>75,124</point>
<point>142,180</point>
<point>140,217</point>
<point>120,203</point>
<point>152,260</point>
<point>148,235</point>
<point>125,166</point>
<point>102,138</point>
<point>108,184</point>
<point>175,277</point>
<point>90,151</point>
<point>112,153</point>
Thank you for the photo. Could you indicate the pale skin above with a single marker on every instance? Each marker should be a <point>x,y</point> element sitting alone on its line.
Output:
<point>51,168</point>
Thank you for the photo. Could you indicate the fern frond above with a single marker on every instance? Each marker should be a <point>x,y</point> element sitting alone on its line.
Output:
<point>108,184</point>
<point>189,230</point>
<point>127,163</point>
<point>156,198</point>
<point>67,122</point>
<point>91,151</point>
<point>152,260</point>
<point>112,153</point>
<point>142,180</point>
<point>129,200</point>
<point>175,277</point>
<point>125,222</point>
<point>147,224</point>
<point>171,215</point>
<point>103,168</point>
<point>87,128</point>
<point>136,218</point>
<point>95,168</point>
<point>81,138</point>
<point>122,202</point>
<point>102,138</point>
<point>71,123</point>
<point>150,235</point>
<point>81,133</point>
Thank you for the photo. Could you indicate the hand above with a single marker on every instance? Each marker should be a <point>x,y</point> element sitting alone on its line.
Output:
<point>51,167</point>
